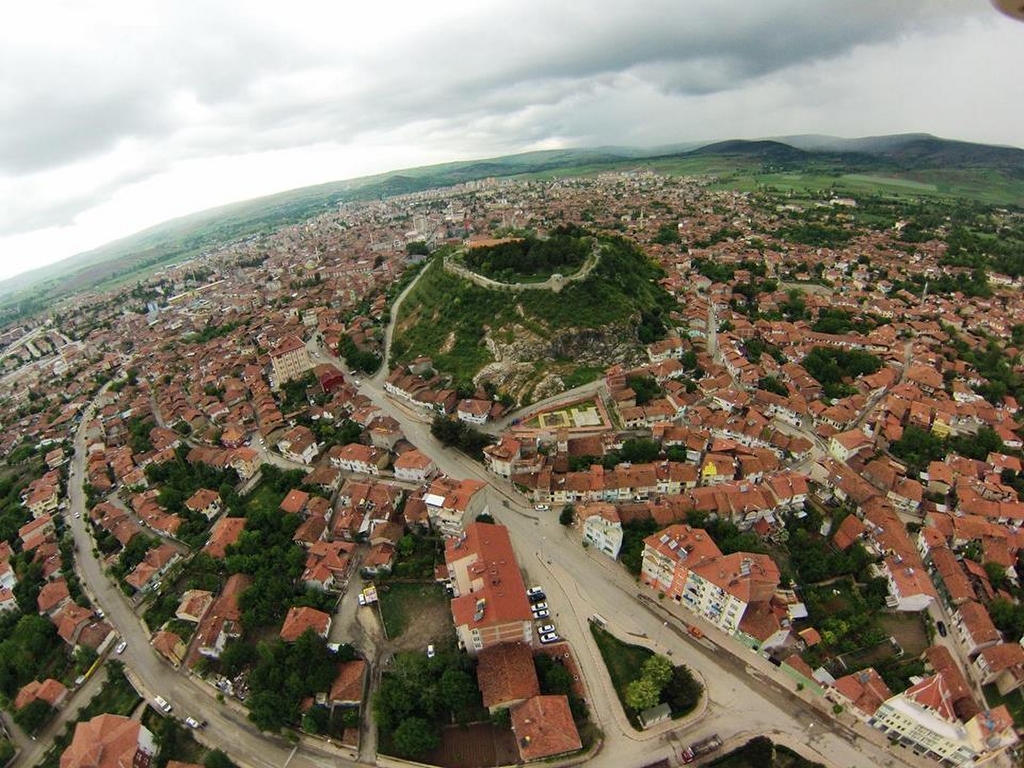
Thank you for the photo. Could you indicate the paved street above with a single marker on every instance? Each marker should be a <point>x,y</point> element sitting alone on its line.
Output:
<point>228,727</point>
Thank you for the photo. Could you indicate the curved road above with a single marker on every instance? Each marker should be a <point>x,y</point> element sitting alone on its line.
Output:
<point>228,727</point>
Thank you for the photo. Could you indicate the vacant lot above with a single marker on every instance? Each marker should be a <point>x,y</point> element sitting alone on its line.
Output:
<point>908,629</point>
<point>415,614</point>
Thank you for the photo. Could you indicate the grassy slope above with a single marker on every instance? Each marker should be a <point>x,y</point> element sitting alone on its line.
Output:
<point>442,304</point>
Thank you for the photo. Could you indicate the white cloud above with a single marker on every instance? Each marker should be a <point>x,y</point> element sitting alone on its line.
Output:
<point>128,113</point>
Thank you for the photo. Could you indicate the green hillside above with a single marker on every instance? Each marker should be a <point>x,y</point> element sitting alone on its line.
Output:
<point>616,309</point>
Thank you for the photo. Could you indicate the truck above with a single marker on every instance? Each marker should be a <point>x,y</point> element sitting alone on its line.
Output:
<point>702,747</point>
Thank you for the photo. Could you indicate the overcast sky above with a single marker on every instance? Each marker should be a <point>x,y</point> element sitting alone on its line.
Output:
<point>118,115</point>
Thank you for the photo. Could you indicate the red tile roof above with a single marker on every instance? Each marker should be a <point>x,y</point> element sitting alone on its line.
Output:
<point>298,620</point>
<point>544,728</point>
<point>506,674</point>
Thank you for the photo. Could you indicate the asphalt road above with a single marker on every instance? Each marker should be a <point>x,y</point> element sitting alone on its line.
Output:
<point>228,727</point>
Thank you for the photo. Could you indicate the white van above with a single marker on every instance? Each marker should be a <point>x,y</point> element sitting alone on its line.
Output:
<point>162,703</point>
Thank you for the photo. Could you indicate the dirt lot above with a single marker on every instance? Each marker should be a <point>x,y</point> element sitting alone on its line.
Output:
<point>416,615</point>
<point>909,631</point>
<point>475,746</point>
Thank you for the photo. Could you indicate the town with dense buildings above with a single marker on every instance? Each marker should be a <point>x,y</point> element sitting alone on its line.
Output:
<point>815,467</point>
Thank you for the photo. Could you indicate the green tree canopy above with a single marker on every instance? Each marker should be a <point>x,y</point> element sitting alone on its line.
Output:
<point>414,737</point>
<point>642,694</point>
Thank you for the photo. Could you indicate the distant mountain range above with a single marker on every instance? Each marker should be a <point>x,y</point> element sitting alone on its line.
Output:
<point>954,168</point>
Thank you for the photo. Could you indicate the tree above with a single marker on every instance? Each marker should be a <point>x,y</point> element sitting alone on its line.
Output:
<point>458,691</point>
<point>759,751</point>
<point>557,680</point>
<point>642,694</point>
<point>567,515</point>
<point>996,575</point>
<point>316,719</point>
<point>414,737</point>
<point>33,715</point>
<point>683,691</point>
<point>657,669</point>
<point>268,710</point>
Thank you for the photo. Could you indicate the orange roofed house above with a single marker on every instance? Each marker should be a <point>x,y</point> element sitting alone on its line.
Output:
<point>453,503</point>
<point>110,741</point>
<point>490,606</point>
<point>544,728</point>
<point>302,618</point>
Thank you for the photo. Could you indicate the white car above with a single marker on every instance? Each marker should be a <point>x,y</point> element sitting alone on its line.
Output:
<point>191,722</point>
<point>549,637</point>
<point>162,703</point>
<point>539,607</point>
<point>545,629</point>
<point>121,646</point>
<point>542,614</point>
<point>534,591</point>
<point>430,651</point>
<point>542,508</point>
<point>362,599</point>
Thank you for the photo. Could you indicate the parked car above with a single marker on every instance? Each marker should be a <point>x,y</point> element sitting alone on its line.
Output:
<point>543,508</point>
<point>191,722</point>
<point>430,651</point>
<point>161,702</point>
<point>537,598</point>
<point>362,599</point>
<point>539,607</point>
<point>549,637</point>
<point>941,626</point>
<point>534,591</point>
<point>121,646</point>
<point>544,613</point>
<point>545,629</point>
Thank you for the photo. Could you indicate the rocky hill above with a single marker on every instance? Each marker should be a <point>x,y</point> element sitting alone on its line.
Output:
<point>531,343</point>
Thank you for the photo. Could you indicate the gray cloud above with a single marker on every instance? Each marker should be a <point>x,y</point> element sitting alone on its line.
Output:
<point>182,82</point>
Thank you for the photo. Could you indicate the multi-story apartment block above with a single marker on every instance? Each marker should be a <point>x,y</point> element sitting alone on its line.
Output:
<point>290,359</point>
<point>490,606</point>
<point>686,565</point>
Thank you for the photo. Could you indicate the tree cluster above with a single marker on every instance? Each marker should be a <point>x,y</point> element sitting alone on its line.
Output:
<point>457,433</point>
<point>919,447</point>
<point>646,388</point>
<point>265,550</point>
<point>832,368</point>
<point>31,646</point>
<point>660,681</point>
<point>287,673</point>
<point>356,358</point>
<point>419,696</point>
<point>564,251</point>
